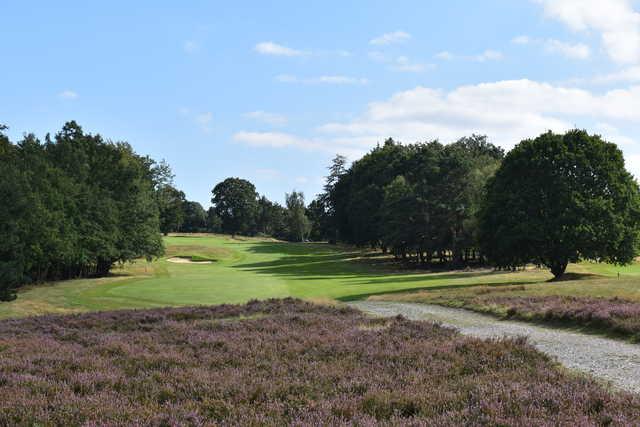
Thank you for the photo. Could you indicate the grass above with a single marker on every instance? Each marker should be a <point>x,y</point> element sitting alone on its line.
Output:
<point>283,362</point>
<point>248,268</point>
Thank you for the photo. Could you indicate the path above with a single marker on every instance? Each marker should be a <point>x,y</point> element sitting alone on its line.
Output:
<point>604,358</point>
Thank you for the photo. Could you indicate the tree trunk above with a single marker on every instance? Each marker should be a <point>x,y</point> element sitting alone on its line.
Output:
<point>558,267</point>
<point>103,267</point>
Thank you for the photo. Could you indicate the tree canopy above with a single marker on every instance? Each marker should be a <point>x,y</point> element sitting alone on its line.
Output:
<point>72,207</point>
<point>419,201</point>
<point>236,203</point>
<point>558,199</point>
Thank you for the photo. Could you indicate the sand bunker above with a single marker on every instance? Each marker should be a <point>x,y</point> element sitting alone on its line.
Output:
<point>181,260</point>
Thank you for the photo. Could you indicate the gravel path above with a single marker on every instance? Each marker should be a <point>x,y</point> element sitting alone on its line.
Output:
<point>606,359</point>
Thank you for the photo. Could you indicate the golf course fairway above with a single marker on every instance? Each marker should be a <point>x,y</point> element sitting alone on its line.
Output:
<point>240,269</point>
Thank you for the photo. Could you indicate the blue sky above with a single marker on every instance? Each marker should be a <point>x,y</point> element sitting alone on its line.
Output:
<point>271,91</point>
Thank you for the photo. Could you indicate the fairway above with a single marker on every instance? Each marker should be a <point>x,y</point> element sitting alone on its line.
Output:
<point>252,268</point>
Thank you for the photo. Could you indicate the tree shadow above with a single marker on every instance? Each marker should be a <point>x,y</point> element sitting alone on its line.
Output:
<point>567,277</point>
<point>322,261</point>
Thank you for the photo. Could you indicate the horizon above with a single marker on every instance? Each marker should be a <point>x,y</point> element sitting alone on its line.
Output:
<point>275,103</point>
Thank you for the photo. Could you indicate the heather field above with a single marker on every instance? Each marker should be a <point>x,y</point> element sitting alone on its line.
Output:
<point>282,362</point>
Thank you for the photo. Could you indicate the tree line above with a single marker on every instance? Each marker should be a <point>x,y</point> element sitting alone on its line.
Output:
<point>417,201</point>
<point>237,208</point>
<point>552,200</point>
<point>77,204</point>
<point>73,206</point>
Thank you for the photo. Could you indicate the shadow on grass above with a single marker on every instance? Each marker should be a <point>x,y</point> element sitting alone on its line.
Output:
<point>568,277</point>
<point>312,262</point>
<point>327,261</point>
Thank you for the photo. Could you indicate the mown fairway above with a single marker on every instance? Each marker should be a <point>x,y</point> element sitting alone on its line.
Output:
<point>246,268</point>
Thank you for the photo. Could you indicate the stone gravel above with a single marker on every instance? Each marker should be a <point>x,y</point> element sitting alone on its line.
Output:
<point>612,361</point>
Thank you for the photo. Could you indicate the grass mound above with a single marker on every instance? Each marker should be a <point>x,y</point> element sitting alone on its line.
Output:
<point>198,252</point>
<point>281,362</point>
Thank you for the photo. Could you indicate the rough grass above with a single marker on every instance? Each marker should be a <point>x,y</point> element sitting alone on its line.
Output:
<point>282,362</point>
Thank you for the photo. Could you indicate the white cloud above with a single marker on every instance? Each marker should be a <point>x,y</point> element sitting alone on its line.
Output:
<point>301,180</point>
<point>268,118</point>
<point>68,94</point>
<point>444,55</point>
<point>204,120</point>
<point>521,40</point>
<point>573,51</point>
<point>569,50</point>
<point>333,80</point>
<point>612,133</point>
<point>377,56</point>
<point>617,23</point>
<point>629,75</point>
<point>403,64</point>
<point>271,48</point>
<point>390,38</point>
<point>400,63</point>
<point>340,80</point>
<point>489,55</point>
<point>190,46</point>
<point>273,139</point>
<point>507,111</point>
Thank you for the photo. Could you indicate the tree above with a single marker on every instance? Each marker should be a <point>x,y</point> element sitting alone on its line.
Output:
<point>72,207</point>
<point>236,203</point>
<point>299,224</point>
<point>558,199</point>
<point>399,216</point>
<point>319,218</point>
<point>214,223</point>
<point>272,219</point>
<point>13,209</point>
<point>171,203</point>
<point>322,210</point>
<point>195,217</point>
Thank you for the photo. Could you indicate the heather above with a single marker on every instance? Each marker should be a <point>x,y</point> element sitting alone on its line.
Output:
<point>282,362</point>
<point>613,315</point>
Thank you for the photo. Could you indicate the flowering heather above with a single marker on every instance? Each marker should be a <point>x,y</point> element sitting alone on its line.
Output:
<point>610,314</point>
<point>282,362</point>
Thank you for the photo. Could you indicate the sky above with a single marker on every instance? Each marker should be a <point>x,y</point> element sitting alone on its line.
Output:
<point>271,91</point>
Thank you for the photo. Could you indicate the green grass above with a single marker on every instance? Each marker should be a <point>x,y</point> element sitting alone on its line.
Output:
<point>248,268</point>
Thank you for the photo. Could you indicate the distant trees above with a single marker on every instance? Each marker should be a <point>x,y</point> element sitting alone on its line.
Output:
<point>237,209</point>
<point>171,203</point>
<point>271,219</point>
<point>236,203</point>
<point>558,199</point>
<point>195,218</point>
<point>418,201</point>
<point>73,207</point>
<point>299,225</point>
